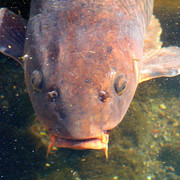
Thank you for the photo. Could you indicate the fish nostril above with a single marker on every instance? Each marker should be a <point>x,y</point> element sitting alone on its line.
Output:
<point>103,96</point>
<point>52,95</point>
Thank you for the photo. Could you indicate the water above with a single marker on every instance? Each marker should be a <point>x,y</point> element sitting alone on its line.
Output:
<point>144,146</point>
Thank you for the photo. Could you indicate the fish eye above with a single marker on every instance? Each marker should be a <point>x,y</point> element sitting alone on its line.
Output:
<point>103,96</point>
<point>120,84</point>
<point>36,80</point>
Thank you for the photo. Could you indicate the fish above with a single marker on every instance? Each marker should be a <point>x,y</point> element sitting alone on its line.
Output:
<point>83,61</point>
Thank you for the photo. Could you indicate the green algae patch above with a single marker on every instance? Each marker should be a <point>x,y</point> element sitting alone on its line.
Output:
<point>170,157</point>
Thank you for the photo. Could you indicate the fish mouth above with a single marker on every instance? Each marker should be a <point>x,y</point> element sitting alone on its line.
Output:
<point>91,143</point>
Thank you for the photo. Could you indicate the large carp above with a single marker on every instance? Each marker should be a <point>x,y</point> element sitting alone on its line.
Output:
<point>83,60</point>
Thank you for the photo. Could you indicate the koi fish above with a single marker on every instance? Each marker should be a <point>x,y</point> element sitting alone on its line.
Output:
<point>83,61</point>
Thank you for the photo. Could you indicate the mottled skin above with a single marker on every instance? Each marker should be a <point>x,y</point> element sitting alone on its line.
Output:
<point>81,46</point>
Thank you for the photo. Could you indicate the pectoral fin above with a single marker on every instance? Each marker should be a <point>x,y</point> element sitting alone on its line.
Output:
<point>158,61</point>
<point>12,34</point>
<point>164,62</point>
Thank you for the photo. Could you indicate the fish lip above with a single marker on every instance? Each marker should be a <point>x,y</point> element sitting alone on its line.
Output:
<point>90,143</point>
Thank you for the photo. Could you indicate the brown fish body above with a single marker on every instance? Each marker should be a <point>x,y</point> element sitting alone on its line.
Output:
<point>83,61</point>
<point>82,47</point>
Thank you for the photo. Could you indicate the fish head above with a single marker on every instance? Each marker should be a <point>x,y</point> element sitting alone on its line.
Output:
<point>80,78</point>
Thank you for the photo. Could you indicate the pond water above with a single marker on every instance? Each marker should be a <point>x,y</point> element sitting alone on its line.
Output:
<point>144,146</point>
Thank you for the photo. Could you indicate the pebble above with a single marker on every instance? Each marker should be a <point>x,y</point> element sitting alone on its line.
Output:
<point>43,133</point>
<point>115,178</point>
<point>162,106</point>
<point>47,164</point>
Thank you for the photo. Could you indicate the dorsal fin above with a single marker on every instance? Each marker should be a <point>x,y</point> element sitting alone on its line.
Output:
<point>12,34</point>
<point>152,39</point>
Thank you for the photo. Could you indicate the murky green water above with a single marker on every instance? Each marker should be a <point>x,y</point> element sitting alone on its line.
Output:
<point>144,146</point>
